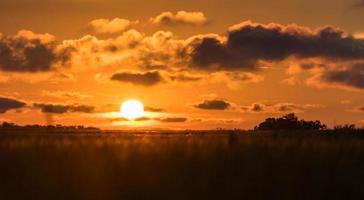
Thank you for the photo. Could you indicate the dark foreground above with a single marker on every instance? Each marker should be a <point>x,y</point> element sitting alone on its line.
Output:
<point>182,166</point>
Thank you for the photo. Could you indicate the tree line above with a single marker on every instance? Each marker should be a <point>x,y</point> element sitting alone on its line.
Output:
<point>7,127</point>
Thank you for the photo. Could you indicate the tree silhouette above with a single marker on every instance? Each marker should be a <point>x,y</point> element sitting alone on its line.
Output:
<point>290,122</point>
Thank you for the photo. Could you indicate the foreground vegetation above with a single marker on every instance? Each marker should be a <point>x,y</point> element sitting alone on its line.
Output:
<point>11,128</point>
<point>187,165</point>
<point>283,158</point>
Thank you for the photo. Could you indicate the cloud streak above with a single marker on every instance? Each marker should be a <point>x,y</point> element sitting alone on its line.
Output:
<point>153,109</point>
<point>172,119</point>
<point>7,104</point>
<point>145,79</point>
<point>61,109</point>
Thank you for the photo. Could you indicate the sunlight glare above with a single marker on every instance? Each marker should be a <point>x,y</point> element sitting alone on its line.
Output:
<point>132,109</point>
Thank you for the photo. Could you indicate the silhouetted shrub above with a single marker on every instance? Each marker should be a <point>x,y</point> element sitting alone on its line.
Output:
<point>290,122</point>
<point>346,127</point>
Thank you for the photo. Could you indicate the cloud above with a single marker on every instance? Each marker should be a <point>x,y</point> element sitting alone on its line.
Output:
<point>152,109</point>
<point>358,109</point>
<point>245,77</point>
<point>257,107</point>
<point>358,4</point>
<point>172,119</point>
<point>278,108</point>
<point>248,44</point>
<point>65,95</point>
<point>290,107</point>
<point>185,77</point>
<point>30,52</point>
<point>106,26</point>
<point>290,81</point>
<point>181,17</point>
<point>352,76</point>
<point>146,79</point>
<point>141,119</point>
<point>61,109</point>
<point>130,50</point>
<point>247,48</point>
<point>342,75</point>
<point>9,104</point>
<point>213,105</point>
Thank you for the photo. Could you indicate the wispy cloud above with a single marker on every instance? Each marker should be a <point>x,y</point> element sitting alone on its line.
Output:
<point>181,17</point>
<point>107,26</point>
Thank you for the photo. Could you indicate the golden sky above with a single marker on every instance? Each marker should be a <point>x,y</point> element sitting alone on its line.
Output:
<point>194,64</point>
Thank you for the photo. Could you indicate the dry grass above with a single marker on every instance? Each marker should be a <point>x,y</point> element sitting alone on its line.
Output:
<point>182,166</point>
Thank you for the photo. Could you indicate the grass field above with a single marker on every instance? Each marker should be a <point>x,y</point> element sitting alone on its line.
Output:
<point>198,165</point>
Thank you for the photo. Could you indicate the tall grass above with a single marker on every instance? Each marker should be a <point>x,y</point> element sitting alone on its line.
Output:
<point>182,166</point>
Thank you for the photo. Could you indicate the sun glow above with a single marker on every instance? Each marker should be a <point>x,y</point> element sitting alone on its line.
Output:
<point>132,109</point>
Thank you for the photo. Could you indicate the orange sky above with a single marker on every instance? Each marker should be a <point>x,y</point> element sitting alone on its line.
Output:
<point>194,64</point>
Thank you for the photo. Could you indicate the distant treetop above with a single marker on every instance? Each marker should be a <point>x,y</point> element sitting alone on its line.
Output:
<point>290,122</point>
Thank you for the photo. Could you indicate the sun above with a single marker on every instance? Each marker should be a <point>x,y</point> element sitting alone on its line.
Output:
<point>132,109</point>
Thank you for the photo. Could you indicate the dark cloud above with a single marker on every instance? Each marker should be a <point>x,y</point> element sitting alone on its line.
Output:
<point>257,107</point>
<point>9,104</point>
<point>249,43</point>
<point>172,119</point>
<point>27,53</point>
<point>352,76</point>
<point>152,109</point>
<point>146,79</point>
<point>61,109</point>
<point>82,108</point>
<point>213,105</point>
<point>254,108</point>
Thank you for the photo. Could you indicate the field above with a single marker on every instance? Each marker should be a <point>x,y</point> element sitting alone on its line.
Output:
<point>182,165</point>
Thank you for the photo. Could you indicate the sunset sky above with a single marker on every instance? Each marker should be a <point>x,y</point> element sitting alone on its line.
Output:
<point>200,64</point>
